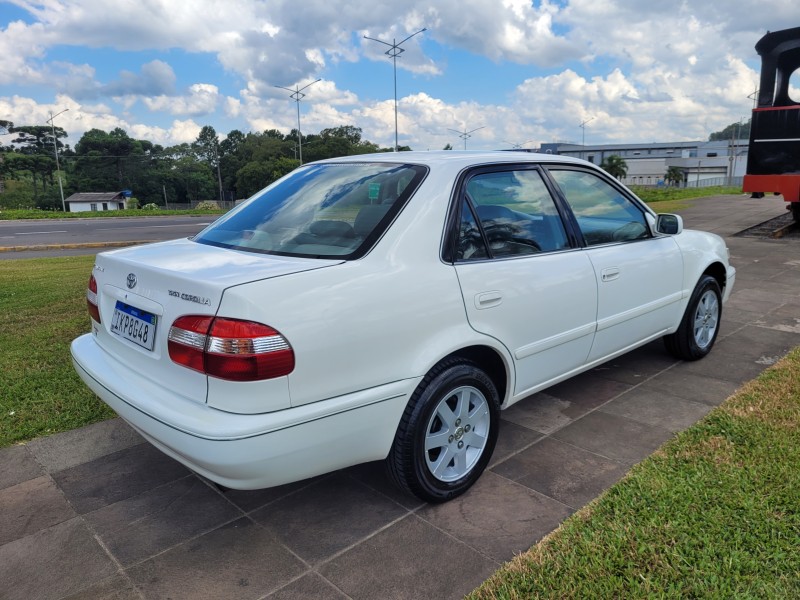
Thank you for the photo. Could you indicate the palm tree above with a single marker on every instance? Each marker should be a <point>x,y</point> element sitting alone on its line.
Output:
<point>615,166</point>
<point>674,176</point>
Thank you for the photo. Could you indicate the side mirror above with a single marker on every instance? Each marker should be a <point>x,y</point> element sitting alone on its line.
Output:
<point>669,224</point>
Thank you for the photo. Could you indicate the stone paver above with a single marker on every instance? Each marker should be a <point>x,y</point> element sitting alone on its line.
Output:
<point>97,513</point>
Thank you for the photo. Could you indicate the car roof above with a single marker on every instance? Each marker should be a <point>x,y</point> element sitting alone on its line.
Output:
<point>458,158</point>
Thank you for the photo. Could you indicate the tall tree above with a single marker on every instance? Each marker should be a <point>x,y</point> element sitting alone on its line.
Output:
<point>207,148</point>
<point>674,176</point>
<point>615,166</point>
<point>737,130</point>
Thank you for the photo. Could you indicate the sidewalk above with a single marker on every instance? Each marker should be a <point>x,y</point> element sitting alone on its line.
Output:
<point>98,513</point>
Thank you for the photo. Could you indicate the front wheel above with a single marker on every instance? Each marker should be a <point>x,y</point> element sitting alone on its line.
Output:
<point>447,434</point>
<point>700,324</point>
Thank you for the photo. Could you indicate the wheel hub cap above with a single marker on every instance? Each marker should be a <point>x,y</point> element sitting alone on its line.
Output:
<point>457,433</point>
<point>706,319</point>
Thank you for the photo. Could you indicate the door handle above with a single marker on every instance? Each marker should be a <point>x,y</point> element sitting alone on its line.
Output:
<point>488,299</point>
<point>609,274</point>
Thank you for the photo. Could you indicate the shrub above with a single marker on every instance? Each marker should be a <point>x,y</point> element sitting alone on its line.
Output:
<point>151,206</point>
<point>132,203</point>
<point>207,205</point>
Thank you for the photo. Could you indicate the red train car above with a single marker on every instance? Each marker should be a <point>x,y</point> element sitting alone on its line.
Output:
<point>773,162</point>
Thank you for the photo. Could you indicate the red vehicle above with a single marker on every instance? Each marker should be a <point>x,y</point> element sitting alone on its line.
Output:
<point>773,162</point>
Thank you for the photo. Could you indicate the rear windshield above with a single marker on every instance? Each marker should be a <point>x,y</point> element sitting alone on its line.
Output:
<point>334,210</point>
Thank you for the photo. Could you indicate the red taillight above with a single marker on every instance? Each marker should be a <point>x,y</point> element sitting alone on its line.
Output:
<point>187,341</point>
<point>229,348</point>
<point>91,299</point>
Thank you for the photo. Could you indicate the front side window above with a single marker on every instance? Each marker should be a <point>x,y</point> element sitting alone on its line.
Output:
<point>334,210</point>
<point>604,215</point>
<point>515,213</point>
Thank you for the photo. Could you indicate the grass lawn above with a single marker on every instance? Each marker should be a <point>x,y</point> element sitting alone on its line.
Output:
<point>14,214</point>
<point>43,307</point>
<point>715,513</point>
<point>669,199</point>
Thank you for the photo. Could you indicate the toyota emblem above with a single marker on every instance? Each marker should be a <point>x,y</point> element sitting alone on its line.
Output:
<point>131,281</point>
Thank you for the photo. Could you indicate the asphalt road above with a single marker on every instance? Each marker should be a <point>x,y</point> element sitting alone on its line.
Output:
<point>98,230</point>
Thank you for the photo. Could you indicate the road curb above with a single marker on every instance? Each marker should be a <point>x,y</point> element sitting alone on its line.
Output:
<point>75,246</point>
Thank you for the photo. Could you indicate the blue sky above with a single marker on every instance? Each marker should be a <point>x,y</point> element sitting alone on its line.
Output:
<point>521,71</point>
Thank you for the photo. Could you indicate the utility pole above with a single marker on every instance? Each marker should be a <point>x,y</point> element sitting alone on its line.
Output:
<point>465,135</point>
<point>393,52</point>
<point>219,174</point>
<point>55,148</point>
<point>583,133</point>
<point>297,95</point>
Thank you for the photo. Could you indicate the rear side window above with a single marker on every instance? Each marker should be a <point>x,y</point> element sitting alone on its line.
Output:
<point>515,213</point>
<point>335,210</point>
<point>604,215</point>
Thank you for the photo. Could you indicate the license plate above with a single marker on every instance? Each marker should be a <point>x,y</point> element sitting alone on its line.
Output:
<point>135,325</point>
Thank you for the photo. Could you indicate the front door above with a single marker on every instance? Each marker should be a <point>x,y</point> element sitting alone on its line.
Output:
<point>639,276</point>
<point>521,280</point>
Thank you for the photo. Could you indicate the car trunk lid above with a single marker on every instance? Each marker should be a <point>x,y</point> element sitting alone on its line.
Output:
<point>141,291</point>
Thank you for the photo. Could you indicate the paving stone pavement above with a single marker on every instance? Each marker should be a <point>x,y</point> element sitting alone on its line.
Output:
<point>99,513</point>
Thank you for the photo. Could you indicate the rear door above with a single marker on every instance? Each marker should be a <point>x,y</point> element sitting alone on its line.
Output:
<point>639,276</point>
<point>522,280</point>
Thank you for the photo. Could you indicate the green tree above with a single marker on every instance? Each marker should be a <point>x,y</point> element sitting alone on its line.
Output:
<point>252,177</point>
<point>737,130</point>
<point>674,176</point>
<point>104,159</point>
<point>193,180</point>
<point>615,166</point>
<point>283,166</point>
<point>34,158</point>
<point>207,148</point>
<point>230,160</point>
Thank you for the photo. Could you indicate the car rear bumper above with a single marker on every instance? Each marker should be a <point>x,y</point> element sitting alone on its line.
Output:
<point>254,450</point>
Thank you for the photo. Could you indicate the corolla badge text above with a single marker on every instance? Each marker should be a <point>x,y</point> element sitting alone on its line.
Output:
<point>190,297</point>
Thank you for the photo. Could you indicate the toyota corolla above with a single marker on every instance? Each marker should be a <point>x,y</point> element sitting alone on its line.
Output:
<point>388,307</point>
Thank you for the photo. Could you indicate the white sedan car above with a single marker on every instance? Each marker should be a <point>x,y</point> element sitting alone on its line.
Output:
<point>388,307</point>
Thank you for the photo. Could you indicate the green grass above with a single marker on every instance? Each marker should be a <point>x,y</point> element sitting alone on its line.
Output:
<point>669,199</point>
<point>13,214</point>
<point>43,308</point>
<point>715,513</point>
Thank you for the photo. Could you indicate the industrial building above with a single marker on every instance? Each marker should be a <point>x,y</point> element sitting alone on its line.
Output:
<point>703,164</point>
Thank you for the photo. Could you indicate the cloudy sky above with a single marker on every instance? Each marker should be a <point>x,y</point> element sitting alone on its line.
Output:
<point>525,72</point>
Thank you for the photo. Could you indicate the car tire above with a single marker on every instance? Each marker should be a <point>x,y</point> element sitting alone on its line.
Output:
<point>447,433</point>
<point>700,324</point>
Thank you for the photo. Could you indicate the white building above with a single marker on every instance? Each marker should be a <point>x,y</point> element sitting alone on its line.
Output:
<point>96,201</point>
<point>702,163</point>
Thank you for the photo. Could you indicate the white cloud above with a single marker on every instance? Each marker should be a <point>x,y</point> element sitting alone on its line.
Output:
<point>640,71</point>
<point>20,47</point>
<point>202,99</point>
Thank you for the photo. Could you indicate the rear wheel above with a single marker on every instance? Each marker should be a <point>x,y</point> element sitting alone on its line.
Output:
<point>700,324</point>
<point>447,434</point>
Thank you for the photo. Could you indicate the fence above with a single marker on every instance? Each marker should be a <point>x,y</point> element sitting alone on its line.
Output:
<point>223,204</point>
<point>693,183</point>
<point>715,181</point>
